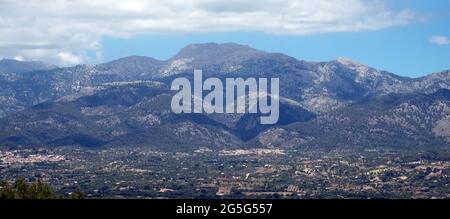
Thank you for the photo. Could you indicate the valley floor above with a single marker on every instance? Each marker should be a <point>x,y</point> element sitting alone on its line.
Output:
<point>256,173</point>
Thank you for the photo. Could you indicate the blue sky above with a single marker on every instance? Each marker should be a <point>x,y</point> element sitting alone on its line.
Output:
<point>406,37</point>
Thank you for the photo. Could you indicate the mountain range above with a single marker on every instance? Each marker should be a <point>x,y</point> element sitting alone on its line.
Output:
<point>126,102</point>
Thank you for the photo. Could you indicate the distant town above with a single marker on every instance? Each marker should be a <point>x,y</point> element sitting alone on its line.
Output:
<point>253,173</point>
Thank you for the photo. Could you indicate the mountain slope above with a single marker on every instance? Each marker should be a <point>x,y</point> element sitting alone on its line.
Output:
<point>393,121</point>
<point>126,102</point>
<point>8,66</point>
<point>318,87</point>
<point>129,115</point>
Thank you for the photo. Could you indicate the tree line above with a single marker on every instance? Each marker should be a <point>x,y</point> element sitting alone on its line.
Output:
<point>20,189</point>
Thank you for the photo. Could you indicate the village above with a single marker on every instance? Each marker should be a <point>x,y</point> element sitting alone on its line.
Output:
<point>253,173</point>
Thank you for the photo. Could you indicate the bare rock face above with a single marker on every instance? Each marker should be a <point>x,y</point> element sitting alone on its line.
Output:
<point>281,138</point>
<point>442,128</point>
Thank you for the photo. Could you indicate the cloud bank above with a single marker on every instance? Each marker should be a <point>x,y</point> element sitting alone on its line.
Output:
<point>67,32</point>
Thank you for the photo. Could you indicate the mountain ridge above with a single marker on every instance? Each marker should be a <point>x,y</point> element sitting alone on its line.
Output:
<point>127,102</point>
<point>8,66</point>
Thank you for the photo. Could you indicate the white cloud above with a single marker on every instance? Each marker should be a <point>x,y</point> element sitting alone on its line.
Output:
<point>19,58</point>
<point>440,40</point>
<point>66,57</point>
<point>45,29</point>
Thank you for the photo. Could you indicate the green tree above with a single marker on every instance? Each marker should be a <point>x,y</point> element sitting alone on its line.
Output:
<point>22,190</point>
<point>39,190</point>
<point>77,195</point>
<point>6,192</point>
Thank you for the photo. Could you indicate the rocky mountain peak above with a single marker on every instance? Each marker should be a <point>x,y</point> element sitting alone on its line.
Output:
<point>131,65</point>
<point>133,59</point>
<point>15,66</point>
<point>349,62</point>
<point>362,71</point>
<point>210,52</point>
